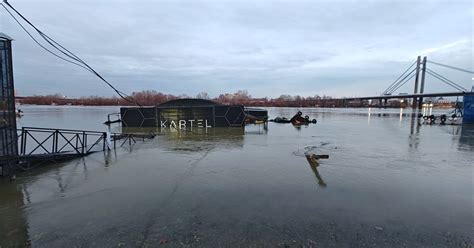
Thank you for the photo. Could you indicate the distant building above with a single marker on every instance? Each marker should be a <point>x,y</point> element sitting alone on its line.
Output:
<point>442,103</point>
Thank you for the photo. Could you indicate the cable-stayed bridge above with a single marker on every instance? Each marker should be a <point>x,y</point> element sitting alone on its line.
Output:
<point>419,70</point>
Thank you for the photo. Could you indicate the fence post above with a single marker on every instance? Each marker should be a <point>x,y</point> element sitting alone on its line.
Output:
<point>23,141</point>
<point>56,141</point>
<point>84,141</point>
<point>104,137</point>
<point>53,139</point>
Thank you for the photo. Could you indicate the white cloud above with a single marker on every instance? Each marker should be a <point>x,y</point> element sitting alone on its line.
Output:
<point>447,47</point>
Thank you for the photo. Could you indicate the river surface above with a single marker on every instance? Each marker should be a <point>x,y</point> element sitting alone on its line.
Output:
<point>389,182</point>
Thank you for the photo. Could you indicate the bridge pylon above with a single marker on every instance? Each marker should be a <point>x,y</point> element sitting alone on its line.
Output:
<point>422,84</point>
<point>417,78</point>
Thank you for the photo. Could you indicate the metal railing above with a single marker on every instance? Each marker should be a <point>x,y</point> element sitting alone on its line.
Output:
<point>34,141</point>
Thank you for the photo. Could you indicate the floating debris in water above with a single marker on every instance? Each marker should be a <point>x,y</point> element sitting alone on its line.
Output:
<point>308,150</point>
<point>296,120</point>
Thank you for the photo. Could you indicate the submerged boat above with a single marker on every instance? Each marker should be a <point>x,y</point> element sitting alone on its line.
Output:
<point>191,113</point>
<point>296,120</point>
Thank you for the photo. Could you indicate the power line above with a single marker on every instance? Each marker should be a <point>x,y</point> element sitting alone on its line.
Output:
<point>39,44</point>
<point>43,35</point>
<point>66,52</point>
<point>451,67</point>
<point>70,55</point>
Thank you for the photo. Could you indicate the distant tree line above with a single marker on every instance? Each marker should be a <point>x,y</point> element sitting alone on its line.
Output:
<point>241,97</point>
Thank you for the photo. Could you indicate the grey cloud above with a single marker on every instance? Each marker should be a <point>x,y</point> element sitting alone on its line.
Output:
<point>267,47</point>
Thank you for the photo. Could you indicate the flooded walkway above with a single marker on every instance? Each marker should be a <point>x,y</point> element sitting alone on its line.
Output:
<point>388,182</point>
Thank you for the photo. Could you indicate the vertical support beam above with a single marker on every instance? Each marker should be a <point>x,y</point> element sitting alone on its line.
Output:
<point>56,142</point>
<point>417,77</point>
<point>26,138</point>
<point>23,141</point>
<point>104,140</point>
<point>84,142</point>
<point>422,85</point>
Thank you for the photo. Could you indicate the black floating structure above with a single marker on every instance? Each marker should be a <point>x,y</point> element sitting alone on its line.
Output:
<point>183,114</point>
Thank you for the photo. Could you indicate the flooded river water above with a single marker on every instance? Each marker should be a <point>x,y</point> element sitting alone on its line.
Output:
<point>388,182</point>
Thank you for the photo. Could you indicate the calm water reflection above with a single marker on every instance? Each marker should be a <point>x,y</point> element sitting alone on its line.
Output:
<point>388,182</point>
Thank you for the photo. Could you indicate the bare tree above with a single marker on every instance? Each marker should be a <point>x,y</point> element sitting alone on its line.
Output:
<point>203,95</point>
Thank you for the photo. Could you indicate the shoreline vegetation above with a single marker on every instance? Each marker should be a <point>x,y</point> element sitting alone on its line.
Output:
<point>241,97</point>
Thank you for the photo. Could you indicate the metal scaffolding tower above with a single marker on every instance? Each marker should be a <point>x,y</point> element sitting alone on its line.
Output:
<point>8,133</point>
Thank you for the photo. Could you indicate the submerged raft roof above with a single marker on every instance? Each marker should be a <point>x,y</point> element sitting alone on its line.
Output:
<point>190,113</point>
<point>188,102</point>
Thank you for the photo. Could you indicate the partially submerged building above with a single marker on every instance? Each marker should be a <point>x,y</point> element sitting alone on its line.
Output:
<point>186,114</point>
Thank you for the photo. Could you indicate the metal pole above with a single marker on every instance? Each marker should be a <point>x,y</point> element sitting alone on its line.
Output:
<point>84,141</point>
<point>422,85</point>
<point>56,141</point>
<point>418,60</point>
<point>23,141</point>
<point>104,137</point>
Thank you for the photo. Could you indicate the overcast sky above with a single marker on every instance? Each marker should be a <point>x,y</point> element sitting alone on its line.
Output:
<point>337,48</point>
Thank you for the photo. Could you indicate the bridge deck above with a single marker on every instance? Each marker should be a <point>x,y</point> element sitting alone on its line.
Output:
<point>443,94</point>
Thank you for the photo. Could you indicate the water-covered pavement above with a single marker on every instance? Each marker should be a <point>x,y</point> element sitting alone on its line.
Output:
<point>388,182</point>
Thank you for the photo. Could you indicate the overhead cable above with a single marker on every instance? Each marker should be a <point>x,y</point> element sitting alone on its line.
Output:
<point>72,58</point>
